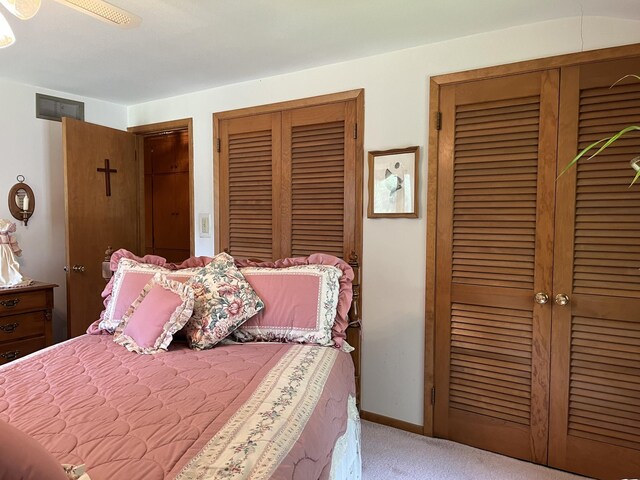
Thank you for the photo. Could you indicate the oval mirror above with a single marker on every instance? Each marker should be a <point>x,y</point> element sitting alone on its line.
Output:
<point>22,202</point>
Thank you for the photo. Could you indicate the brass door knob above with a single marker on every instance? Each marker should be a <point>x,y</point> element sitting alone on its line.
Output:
<point>562,299</point>
<point>78,268</point>
<point>541,298</point>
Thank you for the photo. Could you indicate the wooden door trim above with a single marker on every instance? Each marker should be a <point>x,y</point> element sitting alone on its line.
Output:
<point>430,300</point>
<point>557,61</point>
<point>435,85</point>
<point>291,104</point>
<point>142,131</point>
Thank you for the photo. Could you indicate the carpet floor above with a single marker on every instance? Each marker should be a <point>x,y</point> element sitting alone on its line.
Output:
<point>390,454</point>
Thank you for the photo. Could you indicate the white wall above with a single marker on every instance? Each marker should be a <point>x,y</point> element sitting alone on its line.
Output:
<point>33,147</point>
<point>396,106</point>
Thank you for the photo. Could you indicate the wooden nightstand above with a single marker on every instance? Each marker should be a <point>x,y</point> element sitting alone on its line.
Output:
<point>25,320</point>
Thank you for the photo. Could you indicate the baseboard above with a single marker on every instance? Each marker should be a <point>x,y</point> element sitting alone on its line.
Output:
<point>392,422</point>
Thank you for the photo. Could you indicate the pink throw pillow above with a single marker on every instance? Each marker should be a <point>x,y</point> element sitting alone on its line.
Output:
<point>306,300</point>
<point>130,277</point>
<point>162,308</point>
<point>24,458</point>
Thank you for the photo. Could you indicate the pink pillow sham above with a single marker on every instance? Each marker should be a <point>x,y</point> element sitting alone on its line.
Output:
<point>306,299</point>
<point>162,308</point>
<point>151,260</point>
<point>130,278</point>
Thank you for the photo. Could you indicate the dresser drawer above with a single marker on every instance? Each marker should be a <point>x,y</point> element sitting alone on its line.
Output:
<point>13,350</point>
<point>15,327</point>
<point>16,302</point>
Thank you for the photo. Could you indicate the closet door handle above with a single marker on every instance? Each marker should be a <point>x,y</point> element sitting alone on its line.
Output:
<point>562,299</point>
<point>541,298</point>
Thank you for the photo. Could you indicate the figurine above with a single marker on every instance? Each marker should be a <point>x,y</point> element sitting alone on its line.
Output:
<point>9,268</point>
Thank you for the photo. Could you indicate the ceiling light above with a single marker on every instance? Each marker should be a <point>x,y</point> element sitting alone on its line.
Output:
<point>6,34</point>
<point>104,11</point>
<point>23,9</point>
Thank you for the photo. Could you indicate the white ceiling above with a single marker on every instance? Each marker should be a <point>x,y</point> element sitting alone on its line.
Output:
<point>188,45</point>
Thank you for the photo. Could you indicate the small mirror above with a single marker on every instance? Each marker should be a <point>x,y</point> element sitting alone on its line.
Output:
<point>22,202</point>
<point>21,199</point>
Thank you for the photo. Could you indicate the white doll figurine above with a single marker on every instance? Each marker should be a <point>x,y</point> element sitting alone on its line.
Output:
<point>9,268</point>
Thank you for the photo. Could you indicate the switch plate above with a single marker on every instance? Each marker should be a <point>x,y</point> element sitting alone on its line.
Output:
<point>204,225</point>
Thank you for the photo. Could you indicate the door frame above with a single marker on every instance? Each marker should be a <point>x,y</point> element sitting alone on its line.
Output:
<point>142,131</point>
<point>435,84</point>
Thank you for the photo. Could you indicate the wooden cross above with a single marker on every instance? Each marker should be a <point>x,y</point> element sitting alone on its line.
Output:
<point>107,175</point>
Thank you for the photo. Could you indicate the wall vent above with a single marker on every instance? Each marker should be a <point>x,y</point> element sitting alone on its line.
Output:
<point>54,108</point>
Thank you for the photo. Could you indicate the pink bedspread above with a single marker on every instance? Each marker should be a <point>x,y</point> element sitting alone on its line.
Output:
<point>183,414</point>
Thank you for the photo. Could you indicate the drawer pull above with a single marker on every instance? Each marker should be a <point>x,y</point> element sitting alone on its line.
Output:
<point>9,327</point>
<point>10,355</point>
<point>10,303</point>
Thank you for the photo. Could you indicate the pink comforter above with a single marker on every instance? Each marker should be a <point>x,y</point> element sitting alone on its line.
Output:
<point>130,416</point>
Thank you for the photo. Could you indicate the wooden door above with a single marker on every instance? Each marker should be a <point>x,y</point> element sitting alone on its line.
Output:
<point>170,213</point>
<point>595,389</point>
<point>496,176</point>
<point>248,199</point>
<point>167,202</point>
<point>94,219</point>
<point>318,182</point>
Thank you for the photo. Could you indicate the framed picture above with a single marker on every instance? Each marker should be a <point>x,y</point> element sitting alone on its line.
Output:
<point>393,183</point>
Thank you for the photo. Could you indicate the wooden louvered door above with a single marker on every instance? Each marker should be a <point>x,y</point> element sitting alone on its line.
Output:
<point>289,183</point>
<point>318,168</point>
<point>595,394</point>
<point>496,170</point>
<point>249,198</point>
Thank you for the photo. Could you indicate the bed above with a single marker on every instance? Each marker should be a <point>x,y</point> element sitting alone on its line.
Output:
<point>252,410</point>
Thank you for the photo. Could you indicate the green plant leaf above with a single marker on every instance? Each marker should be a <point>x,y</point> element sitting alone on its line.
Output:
<point>622,132</point>
<point>605,143</point>
<point>582,154</point>
<point>635,178</point>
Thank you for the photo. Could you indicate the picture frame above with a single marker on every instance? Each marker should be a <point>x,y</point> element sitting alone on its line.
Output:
<point>393,183</point>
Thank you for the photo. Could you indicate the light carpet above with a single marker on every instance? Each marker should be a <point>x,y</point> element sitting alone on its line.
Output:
<point>389,454</point>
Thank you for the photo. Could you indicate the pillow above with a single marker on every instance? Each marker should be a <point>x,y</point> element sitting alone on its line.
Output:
<point>300,304</point>
<point>163,307</point>
<point>288,317</point>
<point>130,278</point>
<point>95,328</point>
<point>223,301</point>
<point>24,458</point>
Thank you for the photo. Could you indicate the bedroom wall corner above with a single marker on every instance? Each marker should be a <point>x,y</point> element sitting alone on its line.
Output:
<point>32,147</point>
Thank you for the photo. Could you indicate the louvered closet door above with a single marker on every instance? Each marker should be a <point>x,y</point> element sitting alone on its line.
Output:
<point>496,174</point>
<point>319,180</point>
<point>595,395</point>
<point>249,201</point>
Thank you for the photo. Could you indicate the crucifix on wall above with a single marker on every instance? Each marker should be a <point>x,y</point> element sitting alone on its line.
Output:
<point>107,176</point>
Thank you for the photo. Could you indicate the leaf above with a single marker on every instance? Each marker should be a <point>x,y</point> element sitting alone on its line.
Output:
<point>628,129</point>
<point>582,154</point>
<point>607,142</point>
<point>635,178</point>
<point>626,76</point>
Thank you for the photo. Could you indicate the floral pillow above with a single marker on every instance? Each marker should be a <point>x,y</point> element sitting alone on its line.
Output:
<point>130,277</point>
<point>163,307</point>
<point>224,300</point>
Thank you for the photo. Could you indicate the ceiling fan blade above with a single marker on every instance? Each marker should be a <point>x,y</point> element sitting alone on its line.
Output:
<point>6,34</point>
<point>23,9</point>
<point>103,11</point>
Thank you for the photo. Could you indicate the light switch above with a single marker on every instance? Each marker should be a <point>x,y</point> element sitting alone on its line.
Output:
<point>204,222</point>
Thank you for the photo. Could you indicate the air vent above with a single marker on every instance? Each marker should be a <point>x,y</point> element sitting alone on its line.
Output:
<point>54,108</point>
<point>104,11</point>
